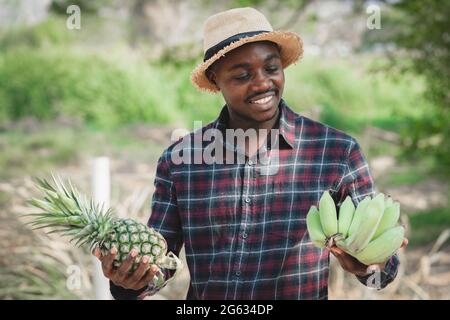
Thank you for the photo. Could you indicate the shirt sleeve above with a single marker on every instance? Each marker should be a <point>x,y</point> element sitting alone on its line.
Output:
<point>119,293</point>
<point>380,279</point>
<point>357,183</point>
<point>165,216</point>
<point>164,219</point>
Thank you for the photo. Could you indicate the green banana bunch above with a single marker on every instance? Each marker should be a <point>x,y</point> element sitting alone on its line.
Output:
<point>367,232</point>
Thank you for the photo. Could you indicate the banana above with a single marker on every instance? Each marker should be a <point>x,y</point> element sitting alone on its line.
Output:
<point>380,249</point>
<point>315,228</point>
<point>389,219</point>
<point>367,223</point>
<point>358,216</point>
<point>346,212</point>
<point>389,202</point>
<point>328,215</point>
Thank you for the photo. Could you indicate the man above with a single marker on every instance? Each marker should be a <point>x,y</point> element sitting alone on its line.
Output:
<point>242,215</point>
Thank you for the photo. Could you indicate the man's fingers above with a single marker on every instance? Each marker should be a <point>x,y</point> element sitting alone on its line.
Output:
<point>97,253</point>
<point>404,243</point>
<point>336,251</point>
<point>141,269</point>
<point>375,267</point>
<point>149,276</point>
<point>107,262</point>
<point>126,265</point>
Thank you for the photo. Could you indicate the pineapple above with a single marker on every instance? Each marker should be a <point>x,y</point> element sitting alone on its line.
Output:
<point>66,212</point>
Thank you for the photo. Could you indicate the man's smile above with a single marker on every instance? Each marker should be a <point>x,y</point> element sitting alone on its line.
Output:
<point>264,102</point>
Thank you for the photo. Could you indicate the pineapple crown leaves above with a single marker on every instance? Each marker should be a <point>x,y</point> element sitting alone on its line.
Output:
<point>67,212</point>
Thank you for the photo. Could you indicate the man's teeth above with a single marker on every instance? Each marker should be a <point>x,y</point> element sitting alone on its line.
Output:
<point>263,100</point>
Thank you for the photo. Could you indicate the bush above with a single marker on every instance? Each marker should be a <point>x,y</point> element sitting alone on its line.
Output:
<point>51,31</point>
<point>351,96</point>
<point>46,84</point>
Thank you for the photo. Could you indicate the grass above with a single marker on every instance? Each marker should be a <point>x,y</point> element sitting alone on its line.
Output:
<point>405,177</point>
<point>37,147</point>
<point>377,148</point>
<point>37,280</point>
<point>4,200</point>
<point>426,226</point>
<point>29,153</point>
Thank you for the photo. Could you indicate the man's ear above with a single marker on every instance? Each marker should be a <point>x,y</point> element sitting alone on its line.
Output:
<point>211,77</point>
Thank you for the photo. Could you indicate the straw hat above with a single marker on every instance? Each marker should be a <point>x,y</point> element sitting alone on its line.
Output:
<point>230,29</point>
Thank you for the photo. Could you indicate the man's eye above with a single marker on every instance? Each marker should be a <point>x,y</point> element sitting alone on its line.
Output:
<point>272,68</point>
<point>243,76</point>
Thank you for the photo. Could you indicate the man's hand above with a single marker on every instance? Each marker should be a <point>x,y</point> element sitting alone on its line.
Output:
<point>352,265</point>
<point>121,276</point>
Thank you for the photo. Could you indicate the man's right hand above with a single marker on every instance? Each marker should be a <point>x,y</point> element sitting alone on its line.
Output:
<point>121,276</point>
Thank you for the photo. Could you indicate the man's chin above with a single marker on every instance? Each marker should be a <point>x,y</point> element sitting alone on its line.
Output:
<point>266,115</point>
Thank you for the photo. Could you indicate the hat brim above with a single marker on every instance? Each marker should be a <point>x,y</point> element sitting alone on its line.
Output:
<point>290,43</point>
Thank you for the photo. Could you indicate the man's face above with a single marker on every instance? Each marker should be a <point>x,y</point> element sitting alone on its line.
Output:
<point>251,79</point>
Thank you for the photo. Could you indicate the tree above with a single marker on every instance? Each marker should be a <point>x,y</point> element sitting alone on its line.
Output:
<point>421,34</point>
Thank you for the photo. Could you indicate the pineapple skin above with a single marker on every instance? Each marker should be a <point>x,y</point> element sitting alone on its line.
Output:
<point>127,234</point>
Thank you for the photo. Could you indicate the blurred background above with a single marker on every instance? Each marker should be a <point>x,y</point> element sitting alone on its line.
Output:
<point>118,86</point>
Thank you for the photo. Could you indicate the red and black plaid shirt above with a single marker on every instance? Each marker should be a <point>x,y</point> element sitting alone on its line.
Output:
<point>243,225</point>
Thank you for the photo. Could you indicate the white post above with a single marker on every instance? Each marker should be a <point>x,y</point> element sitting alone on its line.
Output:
<point>101,192</point>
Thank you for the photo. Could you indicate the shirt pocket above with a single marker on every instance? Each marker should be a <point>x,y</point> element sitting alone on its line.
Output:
<point>292,237</point>
<point>223,213</point>
<point>286,223</point>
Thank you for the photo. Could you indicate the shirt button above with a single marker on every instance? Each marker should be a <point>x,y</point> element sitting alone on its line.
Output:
<point>238,273</point>
<point>247,200</point>
<point>250,162</point>
<point>244,235</point>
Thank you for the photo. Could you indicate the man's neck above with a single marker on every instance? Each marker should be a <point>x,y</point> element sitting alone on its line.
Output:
<point>239,123</point>
<point>252,145</point>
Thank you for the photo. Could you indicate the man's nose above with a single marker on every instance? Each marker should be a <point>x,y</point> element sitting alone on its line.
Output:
<point>261,82</point>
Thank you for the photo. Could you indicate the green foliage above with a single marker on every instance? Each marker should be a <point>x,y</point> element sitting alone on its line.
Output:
<point>42,278</point>
<point>350,97</point>
<point>30,152</point>
<point>195,105</point>
<point>107,93</point>
<point>49,83</point>
<point>406,177</point>
<point>51,31</point>
<point>427,225</point>
<point>86,6</point>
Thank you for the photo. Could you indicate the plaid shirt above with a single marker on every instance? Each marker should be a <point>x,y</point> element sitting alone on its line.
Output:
<point>243,225</point>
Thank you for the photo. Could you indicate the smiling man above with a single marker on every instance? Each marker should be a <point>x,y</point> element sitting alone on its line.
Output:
<point>243,223</point>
